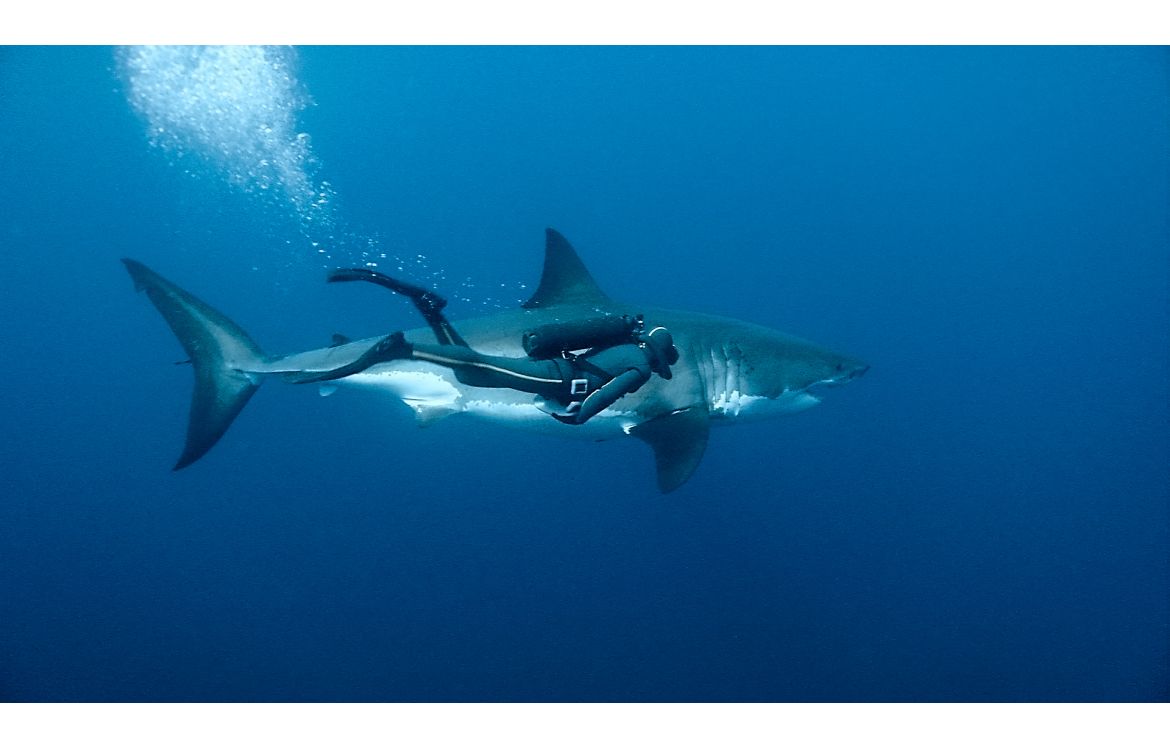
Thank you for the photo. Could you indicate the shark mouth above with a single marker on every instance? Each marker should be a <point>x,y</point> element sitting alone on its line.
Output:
<point>841,379</point>
<point>739,405</point>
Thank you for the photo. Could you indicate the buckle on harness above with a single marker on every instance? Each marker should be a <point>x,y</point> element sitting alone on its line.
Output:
<point>578,387</point>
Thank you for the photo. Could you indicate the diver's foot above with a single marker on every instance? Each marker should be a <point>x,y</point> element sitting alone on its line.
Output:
<point>429,303</point>
<point>393,346</point>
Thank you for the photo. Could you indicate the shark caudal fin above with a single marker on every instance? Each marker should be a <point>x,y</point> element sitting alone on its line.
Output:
<point>221,353</point>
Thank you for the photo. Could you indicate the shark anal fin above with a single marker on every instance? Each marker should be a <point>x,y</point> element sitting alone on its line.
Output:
<point>679,440</point>
<point>565,279</point>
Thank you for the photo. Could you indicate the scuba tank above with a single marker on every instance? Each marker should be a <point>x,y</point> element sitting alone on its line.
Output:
<point>550,341</point>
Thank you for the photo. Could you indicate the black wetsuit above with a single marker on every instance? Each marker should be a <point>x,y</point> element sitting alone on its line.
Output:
<point>593,380</point>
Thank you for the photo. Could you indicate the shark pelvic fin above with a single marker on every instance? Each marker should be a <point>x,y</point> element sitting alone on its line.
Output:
<point>425,416</point>
<point>679,440</point>
<point>223,356</point>
<point>565,279</point>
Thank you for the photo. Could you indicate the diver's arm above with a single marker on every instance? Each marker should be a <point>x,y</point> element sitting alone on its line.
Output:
<point>606,395</point>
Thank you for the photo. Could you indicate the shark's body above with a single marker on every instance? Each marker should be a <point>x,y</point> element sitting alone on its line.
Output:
<point>728,370</point>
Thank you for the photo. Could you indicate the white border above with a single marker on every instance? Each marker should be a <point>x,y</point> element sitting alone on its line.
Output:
<point>588,726</point>
<point>600,21</point>
<point>593,22</point>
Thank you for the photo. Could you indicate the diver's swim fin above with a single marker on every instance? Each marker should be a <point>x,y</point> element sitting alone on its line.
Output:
<point>429,304</point>
<point>390,348</point>
<point>420,296</point>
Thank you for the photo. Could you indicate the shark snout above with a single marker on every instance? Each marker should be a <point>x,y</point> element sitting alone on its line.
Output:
<point>845,371</point>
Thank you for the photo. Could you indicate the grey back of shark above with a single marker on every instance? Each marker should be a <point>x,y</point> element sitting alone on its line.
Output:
<point>728,370</point>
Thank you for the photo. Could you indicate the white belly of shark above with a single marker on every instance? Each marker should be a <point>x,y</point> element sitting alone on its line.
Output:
<point>432,392</point>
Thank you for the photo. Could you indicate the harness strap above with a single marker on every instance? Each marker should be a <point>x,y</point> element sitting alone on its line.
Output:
<point>583,363</point>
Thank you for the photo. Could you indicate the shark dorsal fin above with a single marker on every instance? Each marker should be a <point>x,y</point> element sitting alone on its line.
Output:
<point>565,279</point>
<point>679,440</point>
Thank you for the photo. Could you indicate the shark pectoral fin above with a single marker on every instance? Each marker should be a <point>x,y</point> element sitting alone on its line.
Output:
<point>679,440</point>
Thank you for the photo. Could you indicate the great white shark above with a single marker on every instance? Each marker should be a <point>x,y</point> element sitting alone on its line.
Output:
<point>728,370</point>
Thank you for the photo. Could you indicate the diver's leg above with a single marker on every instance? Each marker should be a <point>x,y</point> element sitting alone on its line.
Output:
<point>429,304</point>
<point>549,377</point>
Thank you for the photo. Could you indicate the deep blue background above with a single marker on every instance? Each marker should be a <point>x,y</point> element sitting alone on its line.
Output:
<point>982,517</point>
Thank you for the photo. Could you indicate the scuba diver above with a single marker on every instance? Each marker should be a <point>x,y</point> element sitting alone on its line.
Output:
<point>619,355</point>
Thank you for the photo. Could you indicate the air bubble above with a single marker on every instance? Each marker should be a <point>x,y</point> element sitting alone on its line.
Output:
<point>237,107</point>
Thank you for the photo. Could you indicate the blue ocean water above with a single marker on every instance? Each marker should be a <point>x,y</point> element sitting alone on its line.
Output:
<point>984,516</point>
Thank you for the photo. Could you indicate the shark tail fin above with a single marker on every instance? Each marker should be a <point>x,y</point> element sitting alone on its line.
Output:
<point>223,356</point>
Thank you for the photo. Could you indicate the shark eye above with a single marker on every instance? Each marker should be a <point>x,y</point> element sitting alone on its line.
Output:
<point>840,366</point>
